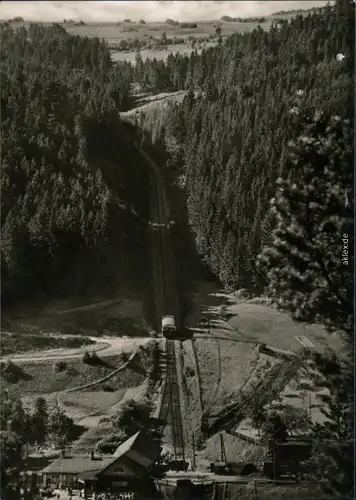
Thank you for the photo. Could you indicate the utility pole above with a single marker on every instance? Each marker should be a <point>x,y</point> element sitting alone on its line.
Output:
<point>310,412</point>
<point>193,462</point>
<point>222,447</point>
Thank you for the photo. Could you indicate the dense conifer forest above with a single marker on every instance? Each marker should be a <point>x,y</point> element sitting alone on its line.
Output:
<point>230,142</point>
<point>71,201</point>
<point>71,198</point>
<point>257,167</point>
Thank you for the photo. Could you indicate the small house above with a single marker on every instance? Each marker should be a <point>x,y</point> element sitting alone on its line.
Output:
<point>132,461</point>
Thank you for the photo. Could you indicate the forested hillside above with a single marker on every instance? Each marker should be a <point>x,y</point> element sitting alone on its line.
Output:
<point>75,192</point>
<point>230,143</point>
<point>74,189</point>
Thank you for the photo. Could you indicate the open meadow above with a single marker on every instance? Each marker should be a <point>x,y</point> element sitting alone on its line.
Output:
<point>224,367</point>
<point>118,317</point>
<point>114,32</point>
<point>38,378</point>
<point>185,39</point>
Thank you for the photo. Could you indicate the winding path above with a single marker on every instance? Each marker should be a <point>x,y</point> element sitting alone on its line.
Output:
<point>107,346</point>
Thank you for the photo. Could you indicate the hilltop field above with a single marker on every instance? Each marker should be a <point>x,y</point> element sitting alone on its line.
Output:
<point>204,34</point>
<point>180,39</point>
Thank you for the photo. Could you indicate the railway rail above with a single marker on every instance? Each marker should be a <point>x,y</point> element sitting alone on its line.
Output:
<point>170,411</point>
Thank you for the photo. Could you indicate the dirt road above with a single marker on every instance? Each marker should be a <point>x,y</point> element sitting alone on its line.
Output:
<point>107,346</point>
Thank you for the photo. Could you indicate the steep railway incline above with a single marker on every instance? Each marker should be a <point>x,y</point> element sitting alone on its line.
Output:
<point>170,411</point>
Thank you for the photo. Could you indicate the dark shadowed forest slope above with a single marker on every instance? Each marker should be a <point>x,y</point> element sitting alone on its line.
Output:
<point>75,190</point>
<point>75,196</point>
<point>230,143</point>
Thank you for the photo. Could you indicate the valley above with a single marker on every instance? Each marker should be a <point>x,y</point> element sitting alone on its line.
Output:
<point>173,302</point>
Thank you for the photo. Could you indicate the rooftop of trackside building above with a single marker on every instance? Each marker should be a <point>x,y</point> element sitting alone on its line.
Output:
<point>140,448</point>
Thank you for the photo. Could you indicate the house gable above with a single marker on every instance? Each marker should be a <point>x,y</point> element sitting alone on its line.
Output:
<point>123,467</point>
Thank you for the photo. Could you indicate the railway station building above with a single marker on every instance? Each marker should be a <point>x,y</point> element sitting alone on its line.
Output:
<point>127,469</point>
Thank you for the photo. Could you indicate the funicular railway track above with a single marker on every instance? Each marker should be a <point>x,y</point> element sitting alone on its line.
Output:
<point>166,303</point>
<point>170,408</point>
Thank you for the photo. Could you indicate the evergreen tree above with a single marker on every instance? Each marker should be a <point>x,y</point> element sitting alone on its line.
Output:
<point>312,279</point>
<point>58,425</point>
<point>40,421</point>
<point>10,459</point>
<point>231,145</point>
<point>332,466</point>
<point>305,263</point>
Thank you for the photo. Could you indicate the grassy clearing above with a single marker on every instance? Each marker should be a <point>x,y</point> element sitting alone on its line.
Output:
<point>153,108</point>
<point>256,321</point>
<point>102,427</point>
<point>79,405</point>
<point>17,343</point>
<point>224,368</point>
<point>41,378</point>
<point>119,317</point>
<point>264,324</point>
<point>94,322</point>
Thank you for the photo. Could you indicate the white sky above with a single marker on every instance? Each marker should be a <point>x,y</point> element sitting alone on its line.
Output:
<point>109,11</point>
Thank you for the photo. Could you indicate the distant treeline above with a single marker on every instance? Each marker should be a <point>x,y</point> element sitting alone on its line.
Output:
<point>188,25</point>
<point>147,43</point>
<point>171,22</point>
<point>296,11</point>
<point>17,19</point>
<point>151,42</point>
<point>243,20</point>
<point>74,23</point>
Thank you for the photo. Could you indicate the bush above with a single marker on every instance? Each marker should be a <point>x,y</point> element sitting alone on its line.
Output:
<point>94,358</point>
<point>108,388</point>
<point>134,416</point>
<point>11,372</point>
<point>91,359</point>
<point>71,370</point>
<point>59,366</point>
<point>109,444</point>
<point>171,22</point>
<point>10,367</point>
<point>86,358</point>
<point>124,357</point>
<point>188,25</point>
<point>142,21</point>
<point>189,371</point>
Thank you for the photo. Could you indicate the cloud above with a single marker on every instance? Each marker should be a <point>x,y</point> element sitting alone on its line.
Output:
<point>106,11</point>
